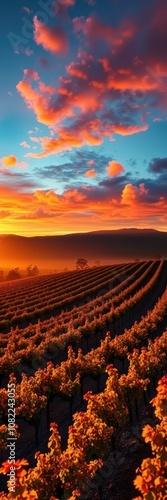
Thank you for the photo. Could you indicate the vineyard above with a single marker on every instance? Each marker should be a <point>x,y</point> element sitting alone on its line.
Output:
<point>84,352</point>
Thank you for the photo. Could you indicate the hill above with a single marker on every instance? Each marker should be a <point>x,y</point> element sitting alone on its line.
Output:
<point>107,246</point>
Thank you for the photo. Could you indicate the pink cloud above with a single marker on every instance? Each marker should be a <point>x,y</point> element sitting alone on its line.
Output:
<point>34,139</point>
<point>30,74</point>
<point>52,39</point>
<point>75,69</point>
<point>94,30</point>
<point>90,162</point>
<point>49,89</point>
<point>24,144</point>
<point>114,168</point>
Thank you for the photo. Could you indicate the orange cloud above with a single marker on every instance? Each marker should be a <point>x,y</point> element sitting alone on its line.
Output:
<point>40,103</point>
<point>66,140</point>
<point>52,39</point>
<point>87,100</point>
<point>90,173</point>
<point>12,161</point>
<point>114,168</point>
<point>129,129</point>
<point>133,194</point>
<point>9,161</point>
<point>88,206</point>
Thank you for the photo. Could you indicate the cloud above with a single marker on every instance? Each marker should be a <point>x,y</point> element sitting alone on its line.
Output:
<point>4,213</point>
<point>109,88</point>
<point>71,172</point>
<point>34,139</point>
<point>122,199</point>
<point>52,39</point>
<point>95,30</point>
<point>132,194</point>
<point>37,215</point>
<point>90,173</point>
<point>158,165</point>
<point>156,39</point>
<point>75,136</point>
<point>75,69</point>
<point>24,144</point>
<point>12,161</point>
<point>129,129</point>
<point>30,74</point>
<point>48,89</point>
<point>114,168</point>
<point>90,162</point>
<point>9,161</point>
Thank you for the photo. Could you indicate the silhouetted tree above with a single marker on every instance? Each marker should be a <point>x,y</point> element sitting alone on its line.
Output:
<point>13,274</point>
<point>81,263</point>
<point>32,270</point>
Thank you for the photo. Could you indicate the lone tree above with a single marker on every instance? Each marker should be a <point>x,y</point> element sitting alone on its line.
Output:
<point>32,270</point>
<point>13,274</point>
<point>81,264</point>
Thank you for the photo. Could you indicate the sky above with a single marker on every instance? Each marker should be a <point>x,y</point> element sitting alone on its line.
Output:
<point>83,116</point>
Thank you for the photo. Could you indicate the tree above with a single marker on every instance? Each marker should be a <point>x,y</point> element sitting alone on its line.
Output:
<point>32,270</point>
<point>81,263</point>
<point>13,274</point>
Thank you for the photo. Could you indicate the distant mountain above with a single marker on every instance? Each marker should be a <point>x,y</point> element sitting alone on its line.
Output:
<point>123,244</point>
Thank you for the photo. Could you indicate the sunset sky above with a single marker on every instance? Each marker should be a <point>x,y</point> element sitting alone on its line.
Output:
<point>83,115</point>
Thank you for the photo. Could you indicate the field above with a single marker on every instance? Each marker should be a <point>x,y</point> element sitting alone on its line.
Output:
<point>81,355</point>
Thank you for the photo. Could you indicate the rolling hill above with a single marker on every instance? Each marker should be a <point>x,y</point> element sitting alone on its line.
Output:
<point>107,246</point>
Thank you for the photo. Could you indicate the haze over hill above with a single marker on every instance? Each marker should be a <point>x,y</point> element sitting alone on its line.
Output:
<point>58,251</point>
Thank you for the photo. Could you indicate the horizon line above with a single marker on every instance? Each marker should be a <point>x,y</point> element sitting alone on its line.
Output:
<point>82,232</point>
